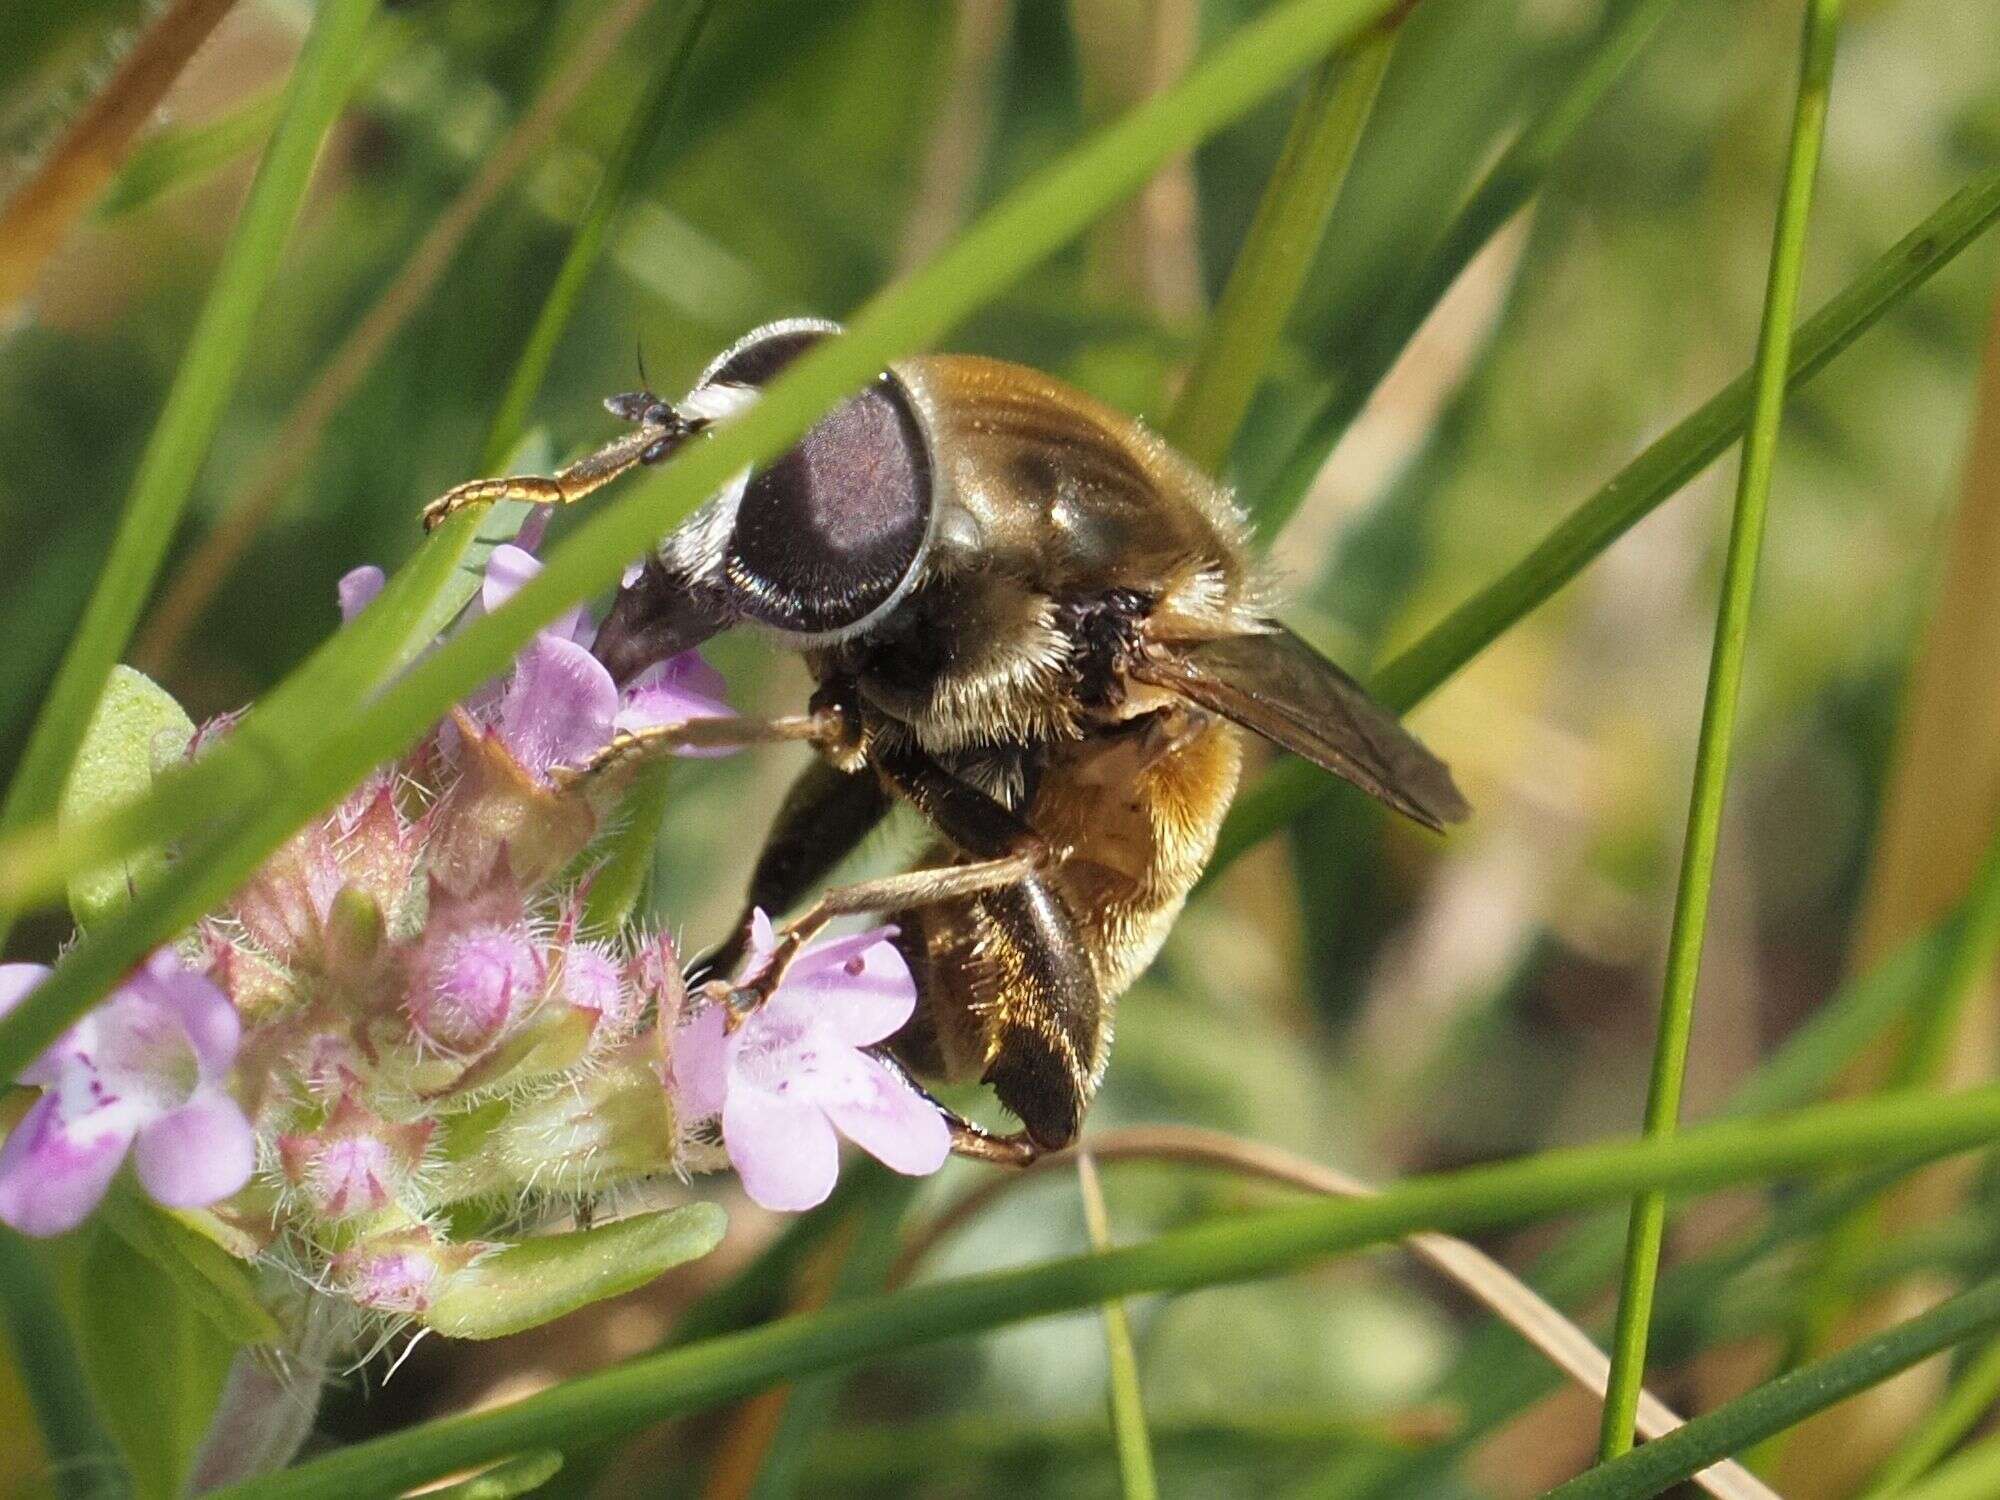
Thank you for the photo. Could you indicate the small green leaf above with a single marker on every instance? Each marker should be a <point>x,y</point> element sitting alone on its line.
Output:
<point>506,1479</point>
<point>525,1285</point>
<point>156,1365</point>
<point>216,1286</point>
<point>137,731</point>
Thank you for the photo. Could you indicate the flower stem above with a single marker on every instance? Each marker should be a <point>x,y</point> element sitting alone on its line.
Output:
<point>1718,719</point>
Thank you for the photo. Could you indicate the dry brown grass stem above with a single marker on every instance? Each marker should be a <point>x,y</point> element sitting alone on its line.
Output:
<point>285,456</point>
<point>36,219</point>
<point>1565,1345</point>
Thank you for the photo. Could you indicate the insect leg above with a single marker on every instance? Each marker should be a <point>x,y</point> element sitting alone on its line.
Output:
<point>1017,961</point>
<point>825,815</point>
<point>564,487</point>
<point>631,749</point>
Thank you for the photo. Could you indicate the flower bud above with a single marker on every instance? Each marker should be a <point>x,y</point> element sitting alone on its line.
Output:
<point>354,1164</point>
<point>480,979</point>
<point>354,932</point>
<point>593,980</point>
<point>399,1272</point>
<point>613,1125</point>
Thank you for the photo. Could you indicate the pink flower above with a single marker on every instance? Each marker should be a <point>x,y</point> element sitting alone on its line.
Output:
<point>143,1072</point>
<point>483,978</point>
<point>793,1072</point>
<point>559,706</point>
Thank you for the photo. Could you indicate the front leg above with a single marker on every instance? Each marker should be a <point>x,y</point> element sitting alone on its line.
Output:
<point>660,429</point>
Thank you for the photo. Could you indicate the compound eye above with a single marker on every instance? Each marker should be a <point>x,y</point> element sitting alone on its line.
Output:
<point>827,536</point>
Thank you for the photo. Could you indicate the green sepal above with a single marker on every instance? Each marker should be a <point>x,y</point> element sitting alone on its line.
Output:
<point>531,1283</point>
<point>137,731</point>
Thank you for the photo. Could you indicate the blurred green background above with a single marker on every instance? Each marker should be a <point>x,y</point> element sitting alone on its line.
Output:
<point>1360,993</point>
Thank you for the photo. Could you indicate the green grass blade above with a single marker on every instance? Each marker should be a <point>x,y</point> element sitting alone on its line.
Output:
<point>1026,227</point>
<point>1718,715</point>
<point>1243,331</point>
<point>1369,350</point>
<point>1787,1401</point>
<point>1128,1406</point>
<point>1973,1475</point>
<point>616,888</point>
<point>326,70</point>
<point>1965,1405</point>
<point>1627,498</point>
<point>616,187</point>
<point>85,1463</point>
<point>1244,1246</point>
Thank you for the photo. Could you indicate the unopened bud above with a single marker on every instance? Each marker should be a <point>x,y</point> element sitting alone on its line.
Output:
<point>479,981</point>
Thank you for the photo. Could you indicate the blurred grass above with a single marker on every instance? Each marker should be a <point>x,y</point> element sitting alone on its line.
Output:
<point>1353,993</point>
<point>207,374</point>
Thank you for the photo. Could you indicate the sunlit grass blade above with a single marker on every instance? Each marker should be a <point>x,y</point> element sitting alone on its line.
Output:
<point>1787,1401</point>
<point>1669,462</point>
<point>1128,1406</point>
<point>1973,1475</point>
<point>1241,1247</point>
<point>208,372</point>
<point>1718,715</point>
<point>1027,226</point>
<point>1249,318</point>
<point>83,1460</point>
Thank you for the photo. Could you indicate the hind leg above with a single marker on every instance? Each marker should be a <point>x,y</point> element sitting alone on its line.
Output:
<point>1004,981</point>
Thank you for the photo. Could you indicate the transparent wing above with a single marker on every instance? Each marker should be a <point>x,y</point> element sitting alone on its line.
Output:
<point>1278,686</point>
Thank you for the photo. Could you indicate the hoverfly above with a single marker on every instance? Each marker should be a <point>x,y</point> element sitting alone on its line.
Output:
<point>1032,619</point>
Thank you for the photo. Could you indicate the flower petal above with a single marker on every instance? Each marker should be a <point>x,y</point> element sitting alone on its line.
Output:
<point>559,706</point>
<point>857,988</point>
<point>357,590</point>
<point>674,691</point>
<point>16,980</point>
<point>890,1120</point>
<point>701,1064</point>
<point>196,1154</point>
<point>508,567</point>
<point>212,1025</point>
<point>783,1149</point>
<point>49,1181</point>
